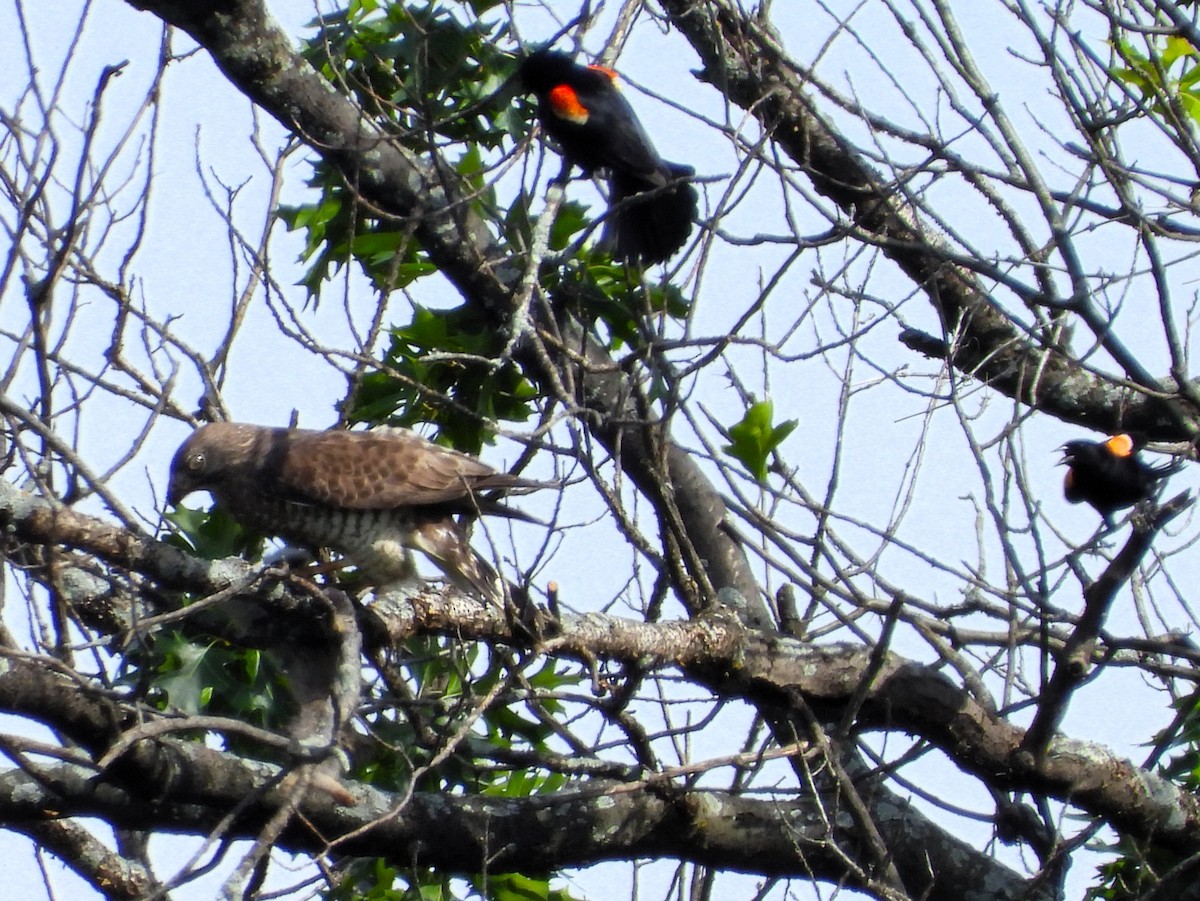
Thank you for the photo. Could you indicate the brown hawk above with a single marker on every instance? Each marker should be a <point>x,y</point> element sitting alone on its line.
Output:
<point>374,496</point>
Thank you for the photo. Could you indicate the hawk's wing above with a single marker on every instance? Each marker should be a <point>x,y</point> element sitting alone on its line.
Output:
<point>376,470</point>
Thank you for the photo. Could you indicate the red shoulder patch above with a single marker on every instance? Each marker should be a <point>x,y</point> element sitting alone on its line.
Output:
<point>565,104</point>
<point>611,73</point>
<point>1120,445</point>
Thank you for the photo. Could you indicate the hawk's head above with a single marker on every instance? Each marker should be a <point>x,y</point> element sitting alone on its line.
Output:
<point>211,455</point>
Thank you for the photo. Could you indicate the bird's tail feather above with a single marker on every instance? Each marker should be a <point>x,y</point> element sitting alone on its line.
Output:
<point>1163,470</point>
<point>651,222</point>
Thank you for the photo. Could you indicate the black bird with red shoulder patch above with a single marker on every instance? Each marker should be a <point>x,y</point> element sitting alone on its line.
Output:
<point>582,108</point>
<point>1110,475</point>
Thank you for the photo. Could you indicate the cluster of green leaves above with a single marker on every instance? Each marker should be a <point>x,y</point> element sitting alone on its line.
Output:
<point>213,678</point>
<point>193,675</point>
<point>374,880</point>
<point>1134,875</point>
<point>339,230</point>
<point>445,367</point>
<point>599,290</point>
<point>422,69</point>
<point>517,226</point>
<point>754,439</point>
<point>1165,72</point>
<point>508,728</point>
<point>448,367</point>
<point>448,679</point>
<point>618,307</point>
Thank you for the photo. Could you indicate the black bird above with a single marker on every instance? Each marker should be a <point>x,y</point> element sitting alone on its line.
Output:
<point>582,108</point>
<point>1109,475</point>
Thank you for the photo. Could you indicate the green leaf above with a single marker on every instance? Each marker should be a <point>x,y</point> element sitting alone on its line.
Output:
<point>368,879</point>
<point>518,887</point>
<point>1191,105</point>
<point>1150,73</point>
<point>571,219</point>
<point>1177,47</point>
<point>211,677</point>
<point>755,438</point>
<point>212,535</point>
<point>1129,76</point>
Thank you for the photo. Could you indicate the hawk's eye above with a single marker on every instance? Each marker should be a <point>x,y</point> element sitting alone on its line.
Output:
<point>196,461</point>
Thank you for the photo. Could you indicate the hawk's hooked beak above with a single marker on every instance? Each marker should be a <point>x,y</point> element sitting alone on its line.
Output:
<point>178,488</point>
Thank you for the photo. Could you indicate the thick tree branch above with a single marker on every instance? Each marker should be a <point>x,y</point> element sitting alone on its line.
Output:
<point>764,667</point>
<point>94,861</point>
<point>258,599</point>
<point>784,836</point>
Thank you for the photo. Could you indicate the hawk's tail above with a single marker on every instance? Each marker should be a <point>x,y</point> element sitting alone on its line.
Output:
<point>445,542</point>
<point>475,575</point>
